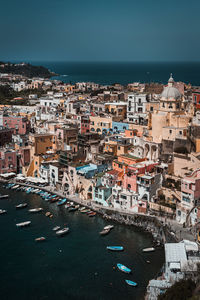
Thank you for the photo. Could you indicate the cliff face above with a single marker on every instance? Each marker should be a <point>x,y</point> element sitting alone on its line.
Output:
<point>27,70</point>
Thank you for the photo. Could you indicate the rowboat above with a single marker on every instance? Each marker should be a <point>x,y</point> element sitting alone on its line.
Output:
<point>109,227</point>
<point>56,228</point>
<point>104,231</point>
<point>47,214</point>
<point>62,231</point>
<point>40,239</point>
<point>92,214</point>
<point>3,211</point>
<point>129,282</point>
<point>23,224</point>
<point>82,208</point>
<point>123,268</point>
<point>34,210</point>
<point>85,211</point>
<point>3,196</point>
<point>115,248</point>
<point>21,205</point>
<point>148,249</point>
<point>61,202</point>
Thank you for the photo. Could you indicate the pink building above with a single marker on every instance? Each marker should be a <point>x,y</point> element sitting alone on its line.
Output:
<point>20,125</point>
<point>8,161</point>
<point>130,178</point>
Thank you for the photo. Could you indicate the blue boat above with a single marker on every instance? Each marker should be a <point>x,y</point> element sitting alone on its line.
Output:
<point>115,248</point>
<point>123,268</point>
<point>129,282</point>
<point>61,202</point>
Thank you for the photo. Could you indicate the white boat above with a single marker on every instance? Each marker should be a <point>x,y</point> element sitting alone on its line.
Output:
<point>23,224</point>
<point>148,249</point>
<point>15,187</point>
<point>34,210</point>
<point>109,227</point>
<point>21,205</point>
<point>40,239</point>
<point>56,228</point>
<point>3,211</point>
<point>3,196</point>
<point>82,208</point>
<point>62,231</point>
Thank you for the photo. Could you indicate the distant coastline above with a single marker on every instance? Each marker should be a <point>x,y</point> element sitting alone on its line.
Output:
<point>124,72</point>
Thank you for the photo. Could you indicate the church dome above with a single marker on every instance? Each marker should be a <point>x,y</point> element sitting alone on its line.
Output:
<point>170,92</point>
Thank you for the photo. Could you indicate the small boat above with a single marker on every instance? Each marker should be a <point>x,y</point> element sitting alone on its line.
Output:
<point>3,211</point>
<point>148,249</point>
<point>23,224</point>
<point>82,208</point>
<point>115,248</point>
<point>62,231</point>
<point>21,205</point>
<point>109,227</point>
<point>72,209</point>
<point>85,211</point>
<point>92,214</point>
<point>104,231</point>
<point>129,282</point>
<point>40,239</point>
<point>123,268</point>
<point>35,210</point>
<point>47,214</point>
<point>61,202</point>
<point>56,228</point>
<point>3,196</point>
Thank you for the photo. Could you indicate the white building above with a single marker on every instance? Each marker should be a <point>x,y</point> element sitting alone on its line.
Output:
<point>136,108</point>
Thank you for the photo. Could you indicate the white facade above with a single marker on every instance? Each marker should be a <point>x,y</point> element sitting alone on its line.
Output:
<point>136,107</point>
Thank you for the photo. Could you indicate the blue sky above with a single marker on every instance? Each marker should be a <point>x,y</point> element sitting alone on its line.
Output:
<point>91,30</point>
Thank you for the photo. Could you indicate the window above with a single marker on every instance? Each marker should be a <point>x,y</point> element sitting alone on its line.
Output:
<point>170,131</point>
<point>129,186</point>
<point>119,147</point>
<point>139,100</point>
<point>180,132</point>
<point>163,105</point>
<point>151,108</point>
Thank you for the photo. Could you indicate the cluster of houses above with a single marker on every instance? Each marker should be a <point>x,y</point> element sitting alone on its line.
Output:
<point>119,147</point>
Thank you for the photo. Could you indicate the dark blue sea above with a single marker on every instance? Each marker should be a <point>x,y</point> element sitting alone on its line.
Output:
<point>76,266</point>
<point>124,73</point>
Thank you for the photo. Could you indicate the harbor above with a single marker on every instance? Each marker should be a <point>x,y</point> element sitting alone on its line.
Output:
<point>78,261</point>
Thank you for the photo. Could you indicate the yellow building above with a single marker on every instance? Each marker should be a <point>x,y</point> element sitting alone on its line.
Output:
<point>117,109</point>
<point>100,124</point>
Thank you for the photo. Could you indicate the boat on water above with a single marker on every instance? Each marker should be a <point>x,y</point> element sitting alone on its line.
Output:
<point>62,231</point>
<point>56,228</point>
<point>104,231</point>
<point>92,214</point>
<point>115,248</point>
<point>129,282</point>
<point>123,268</point>
<point>40,239</point>
<point>21,205</point>
<point>23,224</point>
<point>109,227</point>
<point>82,208</point>
<point>85,211</point>
<point>35,210</point>
<point>72,209</point>
<point>47,214</point>
<point>61,202</point>
<point>3,196</point>
<point>3,211</point>
<point>148,249</point>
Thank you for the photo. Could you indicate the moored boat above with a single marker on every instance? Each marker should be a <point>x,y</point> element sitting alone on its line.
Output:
<point>62,231</point>
<point>123,268</point>
<point>129,282</point>
<point>35,210</point>
<point>82,208</point>
<point>40,239</point>
<point>148,249</point>
<point>3,196</point>
<point>47,214</point>
<point>115,248</point>
<point>104,231</point>
<point>23,224</point>
<point>21,205</point>
<point>92,214</point>
<point>61,202</point>
<point>109,227</point>
<point>3,211</point>
<point>56,228</point>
